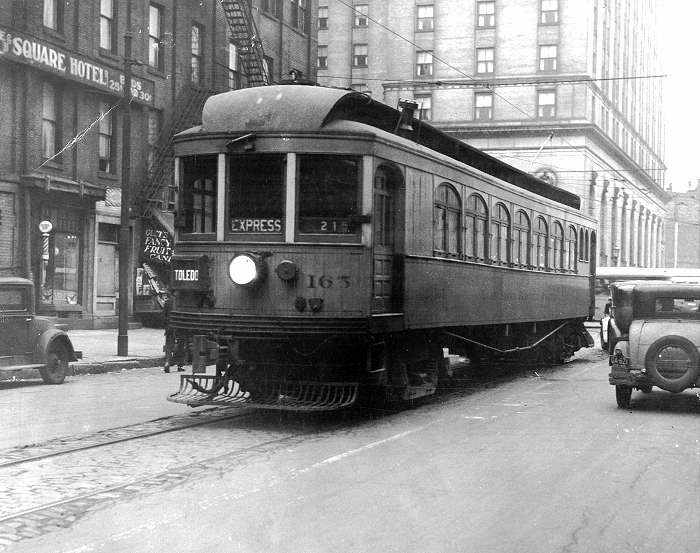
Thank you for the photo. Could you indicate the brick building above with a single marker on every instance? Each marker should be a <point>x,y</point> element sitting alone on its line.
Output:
<point>61,125</point>
<point>564,89</point>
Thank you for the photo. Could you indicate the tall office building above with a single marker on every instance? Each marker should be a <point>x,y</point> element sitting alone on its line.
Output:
<point>569,90</point>
<point>62,114</point>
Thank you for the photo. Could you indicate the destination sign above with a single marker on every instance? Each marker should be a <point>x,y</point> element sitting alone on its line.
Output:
<point>190,273</point>
<point>256,225</point>
<point>29,50</point>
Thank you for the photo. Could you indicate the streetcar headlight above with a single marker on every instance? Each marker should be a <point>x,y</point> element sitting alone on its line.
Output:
<point>246,269</point>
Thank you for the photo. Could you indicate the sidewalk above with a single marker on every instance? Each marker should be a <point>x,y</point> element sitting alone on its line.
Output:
<point>99,347</point>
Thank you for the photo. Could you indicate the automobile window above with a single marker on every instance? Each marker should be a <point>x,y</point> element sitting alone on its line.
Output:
<point>256,194</point>
<point>677,305</point>
<point>328,195</point>
<point>13,299</point>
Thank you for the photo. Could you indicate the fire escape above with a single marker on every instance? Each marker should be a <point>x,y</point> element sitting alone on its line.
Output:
<point>154,198</point>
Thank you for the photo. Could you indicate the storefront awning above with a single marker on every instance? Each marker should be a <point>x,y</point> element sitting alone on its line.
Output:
<point>51,183</point>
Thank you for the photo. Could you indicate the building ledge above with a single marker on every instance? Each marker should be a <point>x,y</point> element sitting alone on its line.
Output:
<point>51,183</point>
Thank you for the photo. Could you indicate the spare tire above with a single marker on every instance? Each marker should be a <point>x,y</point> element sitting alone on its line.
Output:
<point>673,363</point>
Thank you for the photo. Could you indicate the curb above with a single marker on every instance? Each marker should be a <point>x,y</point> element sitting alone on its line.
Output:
<point>98,367</point>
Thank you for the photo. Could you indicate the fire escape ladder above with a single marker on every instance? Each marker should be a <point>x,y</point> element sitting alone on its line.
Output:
<point>246,38</point>
<point>186,113</point>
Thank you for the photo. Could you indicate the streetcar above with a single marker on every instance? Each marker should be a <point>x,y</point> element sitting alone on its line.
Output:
<point>331,248</point>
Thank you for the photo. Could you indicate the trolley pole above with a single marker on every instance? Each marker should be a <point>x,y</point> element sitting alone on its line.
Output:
<point>124,229</point>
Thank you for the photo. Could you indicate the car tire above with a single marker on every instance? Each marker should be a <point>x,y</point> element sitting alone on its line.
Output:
<point>56,368</point>
<point>656,374</point>
<point>623,395</point>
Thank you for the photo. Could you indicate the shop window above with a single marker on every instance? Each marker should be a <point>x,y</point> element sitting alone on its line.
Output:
<point>447,222</point>
<point>60,269</point>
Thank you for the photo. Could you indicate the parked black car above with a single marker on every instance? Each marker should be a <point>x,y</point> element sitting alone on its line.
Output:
<point>28,341</point>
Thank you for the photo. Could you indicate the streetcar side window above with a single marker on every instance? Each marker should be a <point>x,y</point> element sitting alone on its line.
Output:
<point>256,199</point>
<point>328,195</point>
<point>198,195</point>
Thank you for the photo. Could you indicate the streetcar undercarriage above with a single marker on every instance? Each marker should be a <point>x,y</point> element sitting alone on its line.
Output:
<point>332,372</point>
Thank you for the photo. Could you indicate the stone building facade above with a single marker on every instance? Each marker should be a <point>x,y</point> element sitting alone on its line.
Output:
<point>61,129</point>
<point>568,90</point>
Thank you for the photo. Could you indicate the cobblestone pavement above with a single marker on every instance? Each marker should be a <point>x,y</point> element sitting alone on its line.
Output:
<point>40,496</point>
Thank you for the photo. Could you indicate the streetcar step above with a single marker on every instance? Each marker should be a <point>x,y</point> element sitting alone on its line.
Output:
<point>196,390</point>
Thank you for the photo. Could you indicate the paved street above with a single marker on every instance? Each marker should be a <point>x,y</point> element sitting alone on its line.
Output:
<point>531,461</point>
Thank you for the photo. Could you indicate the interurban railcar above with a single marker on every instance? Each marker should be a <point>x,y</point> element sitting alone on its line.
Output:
<point>328,246</point>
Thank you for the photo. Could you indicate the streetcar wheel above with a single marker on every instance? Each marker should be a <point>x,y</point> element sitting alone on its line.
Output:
<point>623,394</point>
<point>56,368</point>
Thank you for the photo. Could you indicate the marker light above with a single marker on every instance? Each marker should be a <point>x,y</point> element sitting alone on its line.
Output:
<point>245,269</point>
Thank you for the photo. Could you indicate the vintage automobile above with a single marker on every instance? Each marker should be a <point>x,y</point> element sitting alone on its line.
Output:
<point>28,341</point>
<point>653,337</point>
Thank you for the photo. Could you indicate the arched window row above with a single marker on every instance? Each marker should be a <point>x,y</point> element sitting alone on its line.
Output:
<point>516,240</point>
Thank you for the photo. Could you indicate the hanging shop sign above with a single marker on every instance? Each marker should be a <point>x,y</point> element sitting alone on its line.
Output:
<point>48,57</point>
<point>157,245</point>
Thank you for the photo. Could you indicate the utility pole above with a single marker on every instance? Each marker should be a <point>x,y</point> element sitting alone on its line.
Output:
<point>124,229</point>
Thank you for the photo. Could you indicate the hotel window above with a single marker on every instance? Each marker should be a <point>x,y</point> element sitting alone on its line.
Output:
<point>155,37</point>
<point>322,57</point>
<point>196,63</point>
<point>483,106</point>
<point>425,106</point>
<point>106,138</point>
<point>359,55</point>
<point>546,104</point>
<point>484,60</point>
<point>107,41</point>
<point>424,64</point>
<point>234,76</point>
<point>424,19</point>
<point>50,114</point>
<point>53,15</point>
<point>154,123</point>
<point>298,15</point>
<point>273,7</point>
<point>548,57</point>
<point>361,11</point>
<point>486,14</point>
<point>323,17</point>
<point>447,222</point>
<point>549,12</point>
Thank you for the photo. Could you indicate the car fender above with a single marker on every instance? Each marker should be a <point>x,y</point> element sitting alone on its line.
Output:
<point>49,337</point>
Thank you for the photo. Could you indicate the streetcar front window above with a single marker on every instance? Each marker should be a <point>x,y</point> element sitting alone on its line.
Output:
<point>328,195</point>
<point>256,194</point>
<point>198,195</point>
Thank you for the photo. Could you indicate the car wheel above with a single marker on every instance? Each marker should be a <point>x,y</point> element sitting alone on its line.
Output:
<point>623,395</point>
<point>56,368</point>
<point>672,363</point>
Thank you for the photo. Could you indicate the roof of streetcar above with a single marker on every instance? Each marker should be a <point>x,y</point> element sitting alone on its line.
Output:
<point>301,108</point>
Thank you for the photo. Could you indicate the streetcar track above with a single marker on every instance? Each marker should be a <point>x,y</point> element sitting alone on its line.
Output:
<point>18,455</point>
